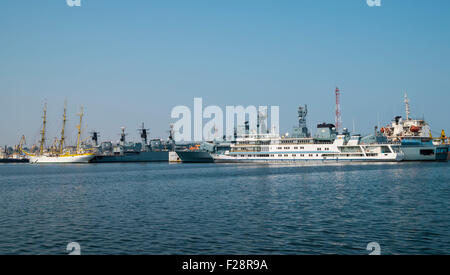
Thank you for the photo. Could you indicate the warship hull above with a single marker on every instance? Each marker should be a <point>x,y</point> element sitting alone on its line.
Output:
<point>162,156</point>
<point>7,160</point>
<point>195,156</point>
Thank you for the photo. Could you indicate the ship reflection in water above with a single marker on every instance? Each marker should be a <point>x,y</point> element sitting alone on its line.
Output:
<point>157,208</point>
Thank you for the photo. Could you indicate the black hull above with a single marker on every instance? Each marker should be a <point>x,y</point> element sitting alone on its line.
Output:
<point>162,156</point>
<point>14,161</point>
<point>195,157</point>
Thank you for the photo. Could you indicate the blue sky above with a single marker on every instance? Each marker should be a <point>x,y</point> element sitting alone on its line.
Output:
<point>129,62</point>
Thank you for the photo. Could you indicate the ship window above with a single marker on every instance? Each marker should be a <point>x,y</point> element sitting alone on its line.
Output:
<point>427,152</point>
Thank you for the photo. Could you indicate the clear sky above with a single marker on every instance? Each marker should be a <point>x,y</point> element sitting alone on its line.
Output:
<point>129,62</point>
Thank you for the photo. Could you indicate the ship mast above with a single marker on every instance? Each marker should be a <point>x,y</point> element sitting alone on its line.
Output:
<point>79,130</point>
<point>42,143</point>
<point>338,110</point>
<point>408,112</point>
<point>61,143</point>
<point>302,126</point>
<point>144,138</point>
<point>122,137</point>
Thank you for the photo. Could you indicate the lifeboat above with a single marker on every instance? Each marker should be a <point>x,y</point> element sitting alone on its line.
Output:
<point>195,147</point>
<point>386,131</point>
<point>414,129</point>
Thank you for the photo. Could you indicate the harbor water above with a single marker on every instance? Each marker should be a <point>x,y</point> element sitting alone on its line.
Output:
<point>160,208</point>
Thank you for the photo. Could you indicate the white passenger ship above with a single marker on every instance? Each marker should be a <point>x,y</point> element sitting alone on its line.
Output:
<point>326,146</point>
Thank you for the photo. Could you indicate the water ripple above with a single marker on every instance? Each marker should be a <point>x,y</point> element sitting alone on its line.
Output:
<point>225,209</point>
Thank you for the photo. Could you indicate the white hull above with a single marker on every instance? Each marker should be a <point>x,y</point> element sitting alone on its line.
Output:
<point>61,159</point>
<point>393,157</point>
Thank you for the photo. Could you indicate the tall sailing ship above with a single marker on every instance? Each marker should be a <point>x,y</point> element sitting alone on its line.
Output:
<point>60,154</point>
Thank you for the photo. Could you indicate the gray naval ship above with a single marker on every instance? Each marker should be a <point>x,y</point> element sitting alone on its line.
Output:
<point>202,152</point>
<point>155,150</point>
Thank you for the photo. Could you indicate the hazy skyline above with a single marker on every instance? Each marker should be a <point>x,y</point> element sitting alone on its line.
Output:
<point>129,62</point>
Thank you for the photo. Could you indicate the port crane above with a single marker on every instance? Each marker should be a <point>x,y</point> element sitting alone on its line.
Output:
<point>443,139</point>
<point>21,143</point>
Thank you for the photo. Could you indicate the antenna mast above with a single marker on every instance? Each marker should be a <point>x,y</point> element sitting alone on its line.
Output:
<point>303,127</point>
<point>79,129</point>
<point>61,143</point>
<point>338,110</point>
<point>408,111</point>
<point>171,133</point>
<point>94,138</point>
<point>144,137</point>
<point>41,149</point>
<point>122,137</point>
